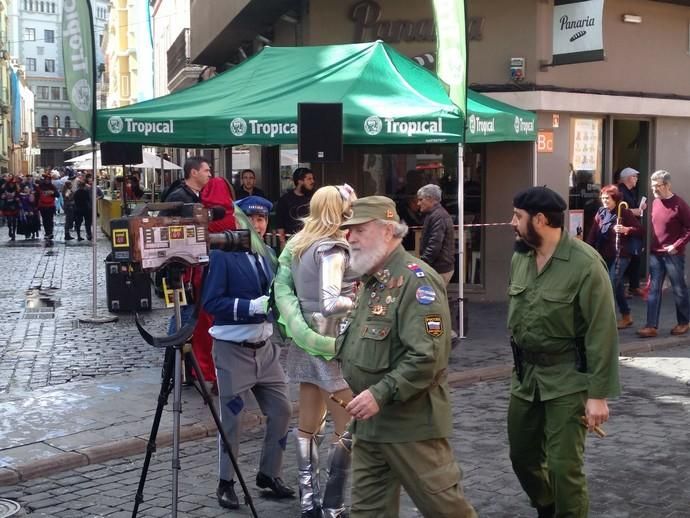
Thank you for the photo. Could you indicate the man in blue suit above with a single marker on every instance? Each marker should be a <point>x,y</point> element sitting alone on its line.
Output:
<point>236,295</point>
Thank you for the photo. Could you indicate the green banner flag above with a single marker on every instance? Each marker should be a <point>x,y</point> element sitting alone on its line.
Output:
<point>78,56</point>
<point>451,55</point>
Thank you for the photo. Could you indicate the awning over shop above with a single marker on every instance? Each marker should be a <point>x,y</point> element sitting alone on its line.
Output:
<point>489,120</point>
<point>387,99</point>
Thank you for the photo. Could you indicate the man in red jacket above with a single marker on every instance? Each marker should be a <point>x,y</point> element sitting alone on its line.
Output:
<point>46,193</point>
<point>670,234</point>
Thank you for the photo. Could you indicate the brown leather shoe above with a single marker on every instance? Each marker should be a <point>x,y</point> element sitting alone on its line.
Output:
<point>647,332</point>
<point>680,329</point>
<point>625,321</point>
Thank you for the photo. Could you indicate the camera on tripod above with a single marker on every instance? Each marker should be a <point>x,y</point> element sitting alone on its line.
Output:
<point>178,234</point>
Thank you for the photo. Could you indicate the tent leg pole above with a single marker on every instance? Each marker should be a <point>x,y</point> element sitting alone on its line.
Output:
<point>534,164</point>
<point>461,240</point>
<point>95,319</point>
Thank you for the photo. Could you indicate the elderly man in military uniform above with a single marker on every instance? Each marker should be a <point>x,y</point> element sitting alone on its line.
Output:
<point>565,346</point>
<point>394,351</point>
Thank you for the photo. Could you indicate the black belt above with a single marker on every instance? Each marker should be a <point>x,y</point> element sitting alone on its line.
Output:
<point>547,359</point>
<point>251,345</point>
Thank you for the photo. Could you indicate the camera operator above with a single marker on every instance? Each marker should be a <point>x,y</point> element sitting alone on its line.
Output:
<point>197,172</point>
<point>236,295</point>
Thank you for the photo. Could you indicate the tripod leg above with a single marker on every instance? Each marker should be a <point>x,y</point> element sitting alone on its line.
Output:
<point>166,387</point>
<point>177,413</point>
<point>189,356</point>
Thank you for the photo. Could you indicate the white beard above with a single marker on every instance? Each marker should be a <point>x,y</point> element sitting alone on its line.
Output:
<point>365,261</point>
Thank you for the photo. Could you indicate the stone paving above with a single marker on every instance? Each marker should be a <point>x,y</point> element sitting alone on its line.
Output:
<point>638,471</point>
<point>39,352</point>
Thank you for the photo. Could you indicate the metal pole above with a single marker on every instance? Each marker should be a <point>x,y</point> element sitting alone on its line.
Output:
<point>461,240</point>
<point>177,403</point>
<point>535,156</point>
<point>95,319</point>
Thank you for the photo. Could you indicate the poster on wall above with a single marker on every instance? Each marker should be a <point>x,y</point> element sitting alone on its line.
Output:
<point>578,27</point>
<point>576,223</point>
<point>585,144</point>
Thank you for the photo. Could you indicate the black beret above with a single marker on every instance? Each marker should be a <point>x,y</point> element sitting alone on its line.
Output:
<point>539,199</point>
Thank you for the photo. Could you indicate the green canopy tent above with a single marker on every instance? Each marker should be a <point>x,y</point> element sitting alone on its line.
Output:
<point>387,99</point>
<point>489,120</point>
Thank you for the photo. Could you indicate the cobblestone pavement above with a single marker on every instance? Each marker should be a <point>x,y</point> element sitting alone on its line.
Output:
<point>55,348</point>
<point>638,471</point>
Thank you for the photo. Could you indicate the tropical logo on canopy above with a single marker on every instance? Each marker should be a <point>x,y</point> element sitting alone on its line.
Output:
<point>240,127</point>
<point>478,125</point>
<point>374,125</point>
<point>523,126</point>
<point>117,124</point>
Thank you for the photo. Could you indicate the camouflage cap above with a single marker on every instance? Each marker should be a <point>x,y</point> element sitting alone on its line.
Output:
<point>370,208</point>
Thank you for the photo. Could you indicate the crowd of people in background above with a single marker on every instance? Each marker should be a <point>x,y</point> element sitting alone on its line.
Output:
<point>28,204</point>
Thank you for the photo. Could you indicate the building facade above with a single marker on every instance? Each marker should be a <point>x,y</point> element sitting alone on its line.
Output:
<point>128,53</point>
<point>632,109</point>
<point>37,47</point>
<point>5,117</point>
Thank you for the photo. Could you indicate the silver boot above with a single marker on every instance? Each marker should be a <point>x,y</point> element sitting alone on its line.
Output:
<point>339,460</point>
<point>308,475</point>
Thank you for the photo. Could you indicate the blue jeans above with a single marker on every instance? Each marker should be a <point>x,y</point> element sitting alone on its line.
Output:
<point>674,266</point>
<point>617,276</point>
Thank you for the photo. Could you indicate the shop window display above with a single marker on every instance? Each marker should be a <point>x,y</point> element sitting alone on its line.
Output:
<point>586,163</point>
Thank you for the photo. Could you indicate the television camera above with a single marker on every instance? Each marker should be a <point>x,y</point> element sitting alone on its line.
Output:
<point>177,234</point>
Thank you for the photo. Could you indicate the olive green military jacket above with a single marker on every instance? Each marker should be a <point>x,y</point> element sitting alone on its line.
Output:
<point>571,297</point>
<point>397,344</point>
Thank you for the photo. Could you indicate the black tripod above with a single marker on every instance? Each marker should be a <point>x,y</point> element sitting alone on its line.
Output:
<point>176,346</point>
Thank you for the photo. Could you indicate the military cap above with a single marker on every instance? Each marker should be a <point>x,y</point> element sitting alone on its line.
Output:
<point>370,208</point>
<point>254,205</point>
<point>539,199</point>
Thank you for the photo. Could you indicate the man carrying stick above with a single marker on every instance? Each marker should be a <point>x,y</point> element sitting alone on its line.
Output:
<point>565,346</point>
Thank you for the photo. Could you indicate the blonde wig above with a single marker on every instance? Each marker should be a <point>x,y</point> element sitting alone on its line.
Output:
<point>329,207</point>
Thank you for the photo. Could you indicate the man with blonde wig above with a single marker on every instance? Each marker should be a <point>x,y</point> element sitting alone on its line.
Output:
<point>394,351</point>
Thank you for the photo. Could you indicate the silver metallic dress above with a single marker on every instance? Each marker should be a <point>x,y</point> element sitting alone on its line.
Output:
<point>324,298</point>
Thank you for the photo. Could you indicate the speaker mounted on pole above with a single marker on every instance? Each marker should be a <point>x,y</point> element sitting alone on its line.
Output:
<point>320,132</point>
<point>121,153</point>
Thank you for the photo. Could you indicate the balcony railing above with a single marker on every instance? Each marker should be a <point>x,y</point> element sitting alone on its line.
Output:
<point>178,54</point>
<point>61,132</point>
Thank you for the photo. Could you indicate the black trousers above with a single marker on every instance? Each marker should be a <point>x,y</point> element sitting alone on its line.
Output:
<point>85,216</point>
<point>47,217</point>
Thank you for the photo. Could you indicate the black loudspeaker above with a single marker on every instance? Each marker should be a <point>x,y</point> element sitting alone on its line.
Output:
<point>120,153</point>
<point>126,291</point>
<point>320,132</point>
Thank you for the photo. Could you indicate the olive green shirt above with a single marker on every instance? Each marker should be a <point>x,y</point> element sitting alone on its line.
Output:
<point>396,344</point>
<point>571,297</point>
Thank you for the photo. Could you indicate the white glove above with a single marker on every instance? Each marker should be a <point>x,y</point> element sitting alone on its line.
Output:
<point>258,306</point>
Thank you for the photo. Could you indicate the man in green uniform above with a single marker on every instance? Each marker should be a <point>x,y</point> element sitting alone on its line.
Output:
<point>394,352</point>
<point>565,346</point>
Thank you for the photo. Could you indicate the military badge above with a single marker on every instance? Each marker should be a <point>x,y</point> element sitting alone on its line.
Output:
<point>425,294</point>
<point>433,325</point>
<point>378,310</point>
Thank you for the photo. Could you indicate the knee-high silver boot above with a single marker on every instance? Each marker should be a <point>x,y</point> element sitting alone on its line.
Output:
<point>308,475</point>
<point>339,460</point>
